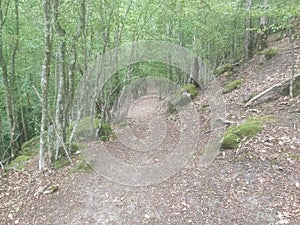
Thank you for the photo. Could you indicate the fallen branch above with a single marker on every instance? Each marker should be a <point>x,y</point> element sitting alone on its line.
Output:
<point>269,90</point>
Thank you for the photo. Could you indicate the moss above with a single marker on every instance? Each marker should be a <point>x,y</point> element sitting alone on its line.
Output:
<point>222,69</point>
<point>85,129</point>
<point>232,86</point>
<point>191,89</point>
<point>231,141</point>
<point>30,147</point>
<point>270,53</point>
<point>235,134</point>
<point>81,166</point>
<point>106,132</point>
<point>19,162</point>
<point>61,163</point>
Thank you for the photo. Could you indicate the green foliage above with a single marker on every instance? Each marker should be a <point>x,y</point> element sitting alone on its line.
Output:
<point>248,129</point>
<point>270,53</point>
<point>232,86</point>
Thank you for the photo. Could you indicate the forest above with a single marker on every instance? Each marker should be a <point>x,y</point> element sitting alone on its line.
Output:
<point>47,46</point>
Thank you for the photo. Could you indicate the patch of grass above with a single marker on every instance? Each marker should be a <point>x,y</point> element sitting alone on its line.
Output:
<point>222,69</point>
<point>232,86</point>
<point>235,134</point>
<point>61,163</point>
<point>19,162</point>
<point>270,53</point>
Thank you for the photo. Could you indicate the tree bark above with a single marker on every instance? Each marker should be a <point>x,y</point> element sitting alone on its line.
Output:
<point>44,81</point>
<point>60,63</point>
<point>262,34</point>
<point>9,99</point>
<point>247,43</point>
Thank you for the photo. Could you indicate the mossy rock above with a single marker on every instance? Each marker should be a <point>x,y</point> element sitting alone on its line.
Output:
<point>270,53</point>
<point>82,166</point>
<point>86,128</point>
<point>222,69</point>
<point>232,86</point>
<point>235,134</point>
<point>182,98</point>
<point>106,132</point>
<point>191,89</point>
<point>19,162</point>
<point>30,147</point>
<point>230,141</point>
<point>61,163</point>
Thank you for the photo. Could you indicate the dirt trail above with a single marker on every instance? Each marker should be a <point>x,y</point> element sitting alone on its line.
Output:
<point>259,183</point>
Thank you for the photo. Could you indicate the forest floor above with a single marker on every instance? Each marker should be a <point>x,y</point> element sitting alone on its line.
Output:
<point>258,183</point>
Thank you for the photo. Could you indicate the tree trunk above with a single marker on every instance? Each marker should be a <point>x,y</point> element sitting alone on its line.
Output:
<point>263,34</point>
<point>59,108</point>
<point>44,81</point>
<point>9,99</point>
<point>81,31</point>
<point>247,43</point>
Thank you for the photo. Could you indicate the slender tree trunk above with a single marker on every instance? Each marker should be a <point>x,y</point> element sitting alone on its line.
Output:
<point>263,35</point>
<point>81,31</point>
<point>44,81</point>
<point>59,110</point>
<point>247,43</point>
<point>291,40</point>
<point>7,85</point>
